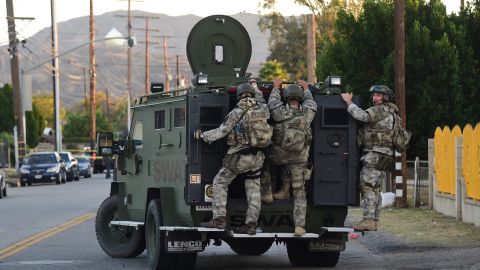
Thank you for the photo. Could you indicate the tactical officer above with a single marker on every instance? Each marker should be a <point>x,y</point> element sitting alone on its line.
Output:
<point>241,158</point>
<point>376,137</point>
<point>291,143</point>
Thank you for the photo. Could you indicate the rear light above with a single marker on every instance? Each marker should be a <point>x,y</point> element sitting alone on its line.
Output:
<point>232,89</point>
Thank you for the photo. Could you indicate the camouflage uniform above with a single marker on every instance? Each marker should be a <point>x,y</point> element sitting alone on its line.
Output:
<point>376,138</point>
<point>241,158</point>
<point>294,162</point>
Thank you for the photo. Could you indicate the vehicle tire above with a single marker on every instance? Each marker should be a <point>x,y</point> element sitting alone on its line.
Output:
<point>58,179</point>
<point>252,247</point>
<point>117,242</point>
<point>29,183</point>
<point>77,176</point>
<point>22,184</point>
<point>328,259</point>
<point>157,256</point>
<point>5,192</point>
<point>299,255</point>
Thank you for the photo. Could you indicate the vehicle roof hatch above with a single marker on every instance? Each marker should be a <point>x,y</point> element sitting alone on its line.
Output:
<point>220,47</point>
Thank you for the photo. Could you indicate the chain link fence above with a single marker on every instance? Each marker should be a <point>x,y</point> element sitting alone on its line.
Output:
<point>418,184</point>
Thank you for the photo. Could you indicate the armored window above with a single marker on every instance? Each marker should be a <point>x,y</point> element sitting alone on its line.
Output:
<point>211,116</point>
<point>179,120</point>
<point>138,135</point>
<point>335,117</point>
<point>160,119</point>
<point>218,54</point>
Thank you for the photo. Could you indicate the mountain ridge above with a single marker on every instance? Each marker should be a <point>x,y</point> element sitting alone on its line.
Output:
<point>112,61</point>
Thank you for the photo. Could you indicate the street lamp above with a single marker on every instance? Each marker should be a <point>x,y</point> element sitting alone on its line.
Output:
<point>57,98</point>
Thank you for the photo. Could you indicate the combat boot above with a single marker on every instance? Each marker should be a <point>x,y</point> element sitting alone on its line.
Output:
<point>367,224</point>
<point>249,228</point>
<point>219,223</point>
<point>283,193</point>
<point>267,198</point>
<point>299,231</point>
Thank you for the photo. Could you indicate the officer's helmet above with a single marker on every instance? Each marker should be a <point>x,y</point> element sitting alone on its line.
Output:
<point>293,91</point>
<point>245,88</point>
<point>388,95</point>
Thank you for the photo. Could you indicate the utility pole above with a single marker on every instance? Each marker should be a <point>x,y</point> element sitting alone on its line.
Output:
<point>147,59</point>
<point>178,73</point>
<point>85,89</point>
<point>311,49</point>
<point>108,107</point>
<point>166,70</point>
<point>93,103</point>
<point>19,114</point>
<point>56,79</point>
<point>399,25</point>
<point>129,67</point>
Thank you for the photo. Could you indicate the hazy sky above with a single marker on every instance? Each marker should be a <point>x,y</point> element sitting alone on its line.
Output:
<point>67,9</point>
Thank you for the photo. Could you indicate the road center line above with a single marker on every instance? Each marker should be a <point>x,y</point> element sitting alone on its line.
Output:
<point>31,240</point>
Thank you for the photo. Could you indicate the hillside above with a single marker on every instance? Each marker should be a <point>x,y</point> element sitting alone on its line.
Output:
<point>112,60</point>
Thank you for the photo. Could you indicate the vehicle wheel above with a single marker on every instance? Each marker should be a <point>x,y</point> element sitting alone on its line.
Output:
<point>29,183</point>
<point>118,242</point>
<point>58,179</point>
<point>250,246</point>
<point>299,255</point>
<point>328,259</point>
<point>157,256</point>
<point>5,192</point>
<point>22,184</point>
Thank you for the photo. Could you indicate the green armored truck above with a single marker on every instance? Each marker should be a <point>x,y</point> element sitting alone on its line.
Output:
<point>162,187</point>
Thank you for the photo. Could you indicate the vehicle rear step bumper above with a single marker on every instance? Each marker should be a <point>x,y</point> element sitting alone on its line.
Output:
<point>234,235</point>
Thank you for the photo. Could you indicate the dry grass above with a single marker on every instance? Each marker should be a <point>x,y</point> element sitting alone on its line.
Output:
<point>425,226</point>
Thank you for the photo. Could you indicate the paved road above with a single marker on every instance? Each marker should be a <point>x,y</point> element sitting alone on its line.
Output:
<point>52,227</point>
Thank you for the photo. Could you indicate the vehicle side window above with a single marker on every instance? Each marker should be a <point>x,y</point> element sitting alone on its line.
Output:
<point>179,120</point>
<point>138,135</point>
<point>160,119</point>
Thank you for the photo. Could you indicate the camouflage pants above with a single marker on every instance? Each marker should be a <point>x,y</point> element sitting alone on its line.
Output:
<point>234,165</point>
<point>294,176</point>
<point>370,181</point>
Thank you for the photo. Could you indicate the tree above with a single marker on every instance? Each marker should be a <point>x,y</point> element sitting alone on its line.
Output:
<point>35,125</point>
<point>288,42</point>
<point>272,69</point>
<point>442,61</point>
<point>6,109</point>
<point>46,107</point>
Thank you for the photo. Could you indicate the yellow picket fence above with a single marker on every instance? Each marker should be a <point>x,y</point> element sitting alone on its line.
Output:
<point>445,163</point>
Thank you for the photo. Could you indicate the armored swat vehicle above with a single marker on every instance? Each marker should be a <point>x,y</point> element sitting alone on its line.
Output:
<point>162,186</point>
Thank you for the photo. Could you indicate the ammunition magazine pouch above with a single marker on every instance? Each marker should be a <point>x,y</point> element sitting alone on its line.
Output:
<point>384,162</point>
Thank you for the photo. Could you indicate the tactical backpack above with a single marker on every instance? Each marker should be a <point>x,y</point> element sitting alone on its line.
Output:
<point>401,136</point>
<point>254,130</point>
